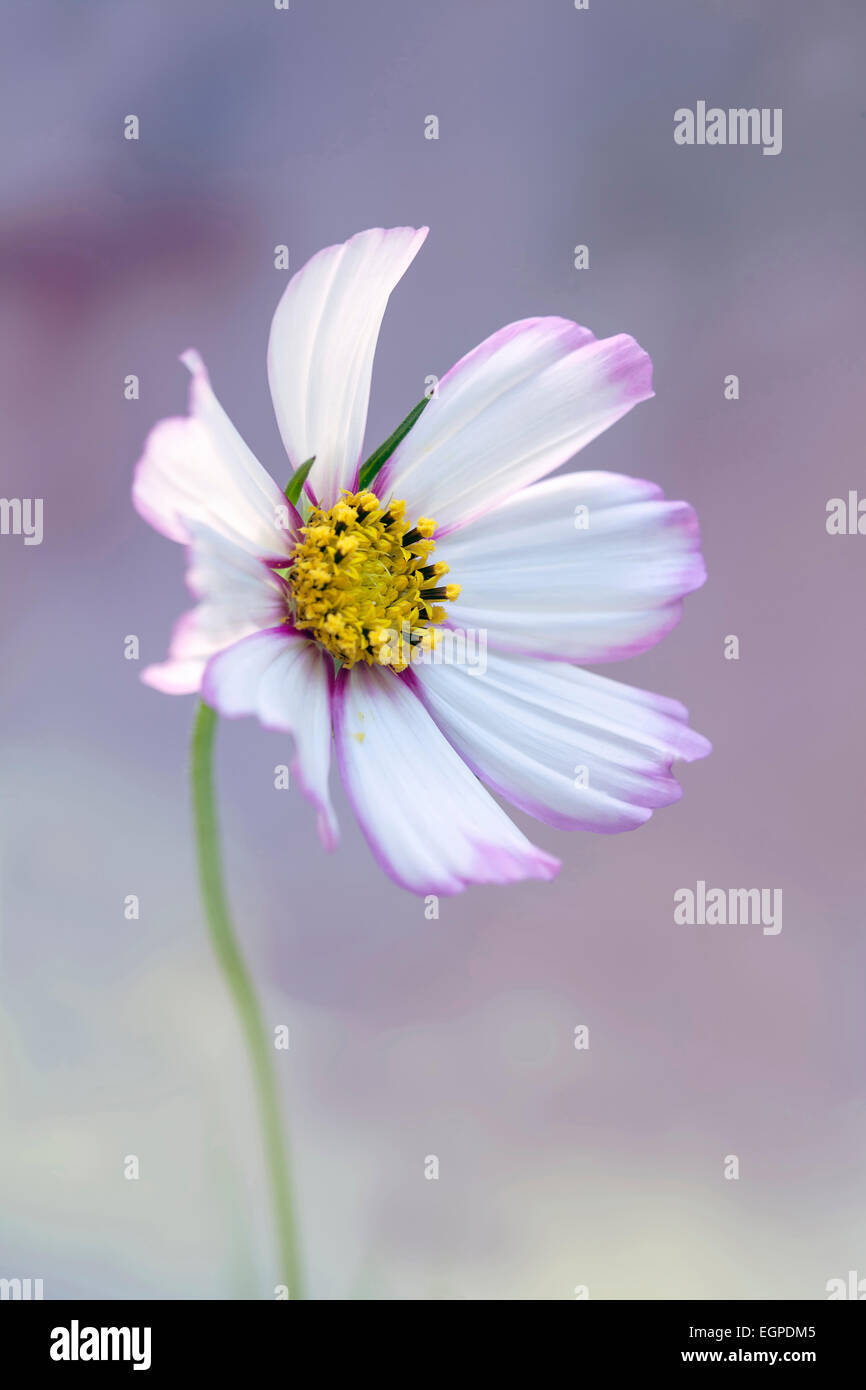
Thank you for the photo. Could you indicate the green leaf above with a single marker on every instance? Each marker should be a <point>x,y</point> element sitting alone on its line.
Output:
<point>297,480</point>
<point>383,453</point>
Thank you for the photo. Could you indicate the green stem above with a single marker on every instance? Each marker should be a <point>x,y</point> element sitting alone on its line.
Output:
<point>242,990</point>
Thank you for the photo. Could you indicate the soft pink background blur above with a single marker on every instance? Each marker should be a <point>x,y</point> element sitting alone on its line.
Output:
<point>451,1037</point>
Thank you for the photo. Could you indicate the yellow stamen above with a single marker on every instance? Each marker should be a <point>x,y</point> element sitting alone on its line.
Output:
<point>357,581</point>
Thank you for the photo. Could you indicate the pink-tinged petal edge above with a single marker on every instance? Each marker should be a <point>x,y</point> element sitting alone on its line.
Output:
<point>630,735</point>
<point>492,862</point>
<point>197,468</point>
<point>512,410</point>
<point>250,701</point>
<point>321,348</point>
<point>640,569</point>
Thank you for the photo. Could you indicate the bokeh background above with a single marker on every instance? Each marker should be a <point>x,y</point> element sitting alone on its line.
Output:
<point>453,1037</point>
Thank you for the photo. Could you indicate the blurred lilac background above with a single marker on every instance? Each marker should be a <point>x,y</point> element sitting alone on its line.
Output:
<point>452,1037</point>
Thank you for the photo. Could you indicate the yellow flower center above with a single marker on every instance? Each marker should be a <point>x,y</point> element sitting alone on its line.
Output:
<point>362,584</point>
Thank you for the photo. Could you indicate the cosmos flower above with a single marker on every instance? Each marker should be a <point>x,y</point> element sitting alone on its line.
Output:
<point>327,621</point>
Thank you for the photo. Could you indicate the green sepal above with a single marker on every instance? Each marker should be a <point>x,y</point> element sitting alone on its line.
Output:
<point>296,482</point>
<point>381,455</point>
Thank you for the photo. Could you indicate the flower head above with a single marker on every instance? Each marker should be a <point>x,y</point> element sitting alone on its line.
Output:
<point>359,617</point>
<point>361,572</point>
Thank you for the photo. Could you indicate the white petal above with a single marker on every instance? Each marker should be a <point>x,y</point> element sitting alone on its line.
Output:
<point>512,410</point>
<point>540,584</point>
<point>199,469</point>
<point>285,680</point>
<point>320,354</point>
<point>575,749</point>
<point>239,595</point>
<point>429,822</point>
